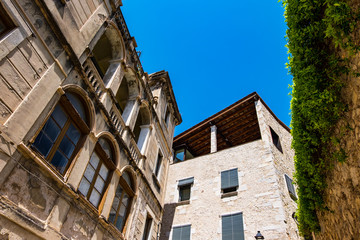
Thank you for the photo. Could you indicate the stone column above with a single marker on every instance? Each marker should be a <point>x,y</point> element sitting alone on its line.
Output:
<point>143,138</point>
<point>213,141</point>
<point>131,112</point>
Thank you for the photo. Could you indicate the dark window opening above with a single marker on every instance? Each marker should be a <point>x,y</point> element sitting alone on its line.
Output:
<point>185,189</point>
<point>6,24</point>
<point>147,228</point>
<point>276,139</point>
<point>182,154</point>
<point>158,165</point>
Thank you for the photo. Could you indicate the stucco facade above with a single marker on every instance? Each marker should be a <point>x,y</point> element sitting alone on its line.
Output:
<point>262,195</point>
<point>101,172</point>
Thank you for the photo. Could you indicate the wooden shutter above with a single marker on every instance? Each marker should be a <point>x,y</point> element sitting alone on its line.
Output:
<point>233,227</point>
<point>290,186</point>
<point>181,233</point>
<point>229,178</point>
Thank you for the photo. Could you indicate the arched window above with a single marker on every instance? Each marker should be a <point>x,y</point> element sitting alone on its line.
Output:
<point>122,202</point>
<point>98,172</point>
<point>59,139</point>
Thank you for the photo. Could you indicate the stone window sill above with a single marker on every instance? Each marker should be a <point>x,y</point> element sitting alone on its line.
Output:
<point>229,194</point>
<point>185,202</point>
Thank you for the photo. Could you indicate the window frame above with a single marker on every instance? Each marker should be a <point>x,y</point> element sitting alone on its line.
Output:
<point>233,187</point>
<point>158,165</point>
<point>181,186</point>
<point>129,191</point>
<point>103,159</point>
<point>276,139</point>
<point>181,229</point>
<point>148,228</point>
<point>290,187</point>
<point>73,118</point>
<point>240,228</point>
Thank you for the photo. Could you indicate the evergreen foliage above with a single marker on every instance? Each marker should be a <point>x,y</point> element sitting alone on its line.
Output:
<point>321,42</point>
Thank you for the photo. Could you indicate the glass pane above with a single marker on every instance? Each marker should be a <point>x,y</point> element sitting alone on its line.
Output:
<point>77,104</point>
<point>125,199</point>
<point>118,191</point>
<point>116,202</point>
<point>95,198</point>
<point>84,186</point>
<point>59,116</point>
<point>106,147</point>
<point>119,222</point>
<point>99,184</point>
<point>59,161</point>
<point>67,147</point>
<point>73,133</point>
<point>43,144</point>
<point>112,215</point>
<point>126,177</point>
<point>122,210</point>
<point>185,192</point>
<point>51,129</point>
<point>94,160</point>
<point>179,155</point>
<point>89,172</point>
<point>104,171</point>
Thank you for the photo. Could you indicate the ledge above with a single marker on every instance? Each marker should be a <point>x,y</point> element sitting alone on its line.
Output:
<point>229,194</point>
<point>186,202</point>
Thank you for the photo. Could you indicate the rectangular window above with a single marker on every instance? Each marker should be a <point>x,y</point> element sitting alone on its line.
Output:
<point>290,187</point>
<point>5,22</point>
<point>229,180</point>
<point>158,164</point>
<point>147,228</point>
<point>276,139</point>
<point>185,189</point>
<point>232,227</point>
<point>181,232</point>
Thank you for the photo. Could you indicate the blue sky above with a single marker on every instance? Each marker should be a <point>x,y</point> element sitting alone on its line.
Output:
<point>216,52</point>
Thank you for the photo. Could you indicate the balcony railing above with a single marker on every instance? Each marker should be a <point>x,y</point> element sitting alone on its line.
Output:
<point>94,77</point>
<point>134,151</point>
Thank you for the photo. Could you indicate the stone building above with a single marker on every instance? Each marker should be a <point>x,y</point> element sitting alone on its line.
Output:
<point>232,176</point>
<point>85,133</point>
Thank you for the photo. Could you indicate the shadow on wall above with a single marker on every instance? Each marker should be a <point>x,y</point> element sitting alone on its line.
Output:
<point>167,222</point>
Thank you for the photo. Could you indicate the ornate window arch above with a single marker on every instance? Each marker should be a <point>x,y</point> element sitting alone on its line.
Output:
<point>121,205</point>
<point>98,172</point>
<point>62,135</point>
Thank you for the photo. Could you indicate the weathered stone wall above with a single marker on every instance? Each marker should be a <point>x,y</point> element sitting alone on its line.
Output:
<point>283,162</point>
<point>342,196</point>
<point>258,196</point>
<point>39,61</point>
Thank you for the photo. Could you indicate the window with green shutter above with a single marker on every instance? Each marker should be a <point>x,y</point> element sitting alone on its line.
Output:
<point>229,180</point>
<point>185,189</point>
<point>290,186</point>
<point>232,227</point>
<point>181,232</point>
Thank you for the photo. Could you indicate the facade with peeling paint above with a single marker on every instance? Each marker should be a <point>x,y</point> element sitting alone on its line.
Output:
<point>85,133</point>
